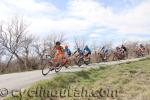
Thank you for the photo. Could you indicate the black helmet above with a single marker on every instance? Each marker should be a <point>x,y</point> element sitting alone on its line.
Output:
<point>58,43</point>
<point>122,45</point>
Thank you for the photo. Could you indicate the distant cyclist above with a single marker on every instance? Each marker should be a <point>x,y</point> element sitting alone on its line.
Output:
<point>124,50</point>
<point>87,51</point>
<point>141,50</point>
<point>119,50</point>
<point>105,53</point>
<point>79,52</point>
<point>105,50</point>
<point>142,47</point>
<point>67,51</point>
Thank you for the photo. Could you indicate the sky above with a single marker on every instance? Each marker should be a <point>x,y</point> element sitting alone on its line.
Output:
<point>96,21</point>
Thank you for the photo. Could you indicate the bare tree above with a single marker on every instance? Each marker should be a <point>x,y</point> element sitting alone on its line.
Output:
<point>2,51</point>
<point>53,38</point>
<point>107,44</point>
<point>12,37</point>
<point>132,46</point>
<point>79,43</point>
<point>41,48</point>
<point>147,46</point>
<point>27,48</point>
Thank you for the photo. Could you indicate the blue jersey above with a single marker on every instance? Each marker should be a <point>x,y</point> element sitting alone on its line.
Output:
<point>80,52</point>
<point>86,49</point>
<point>104,50</point>
<point>68,51</point>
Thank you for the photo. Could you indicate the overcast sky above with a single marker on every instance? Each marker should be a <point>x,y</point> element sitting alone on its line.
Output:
<point>94,20</point>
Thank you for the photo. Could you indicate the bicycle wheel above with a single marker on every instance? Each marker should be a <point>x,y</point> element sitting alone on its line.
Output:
<point>58,67</point>
<point>47,68</point>
<point>80,62</point>
<point>87,62</point>
<point>115,58</point>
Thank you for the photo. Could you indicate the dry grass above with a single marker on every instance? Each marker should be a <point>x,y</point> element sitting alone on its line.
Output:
<point>132,81</point>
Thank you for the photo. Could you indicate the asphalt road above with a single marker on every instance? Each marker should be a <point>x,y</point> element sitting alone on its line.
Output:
<point>16,81</point>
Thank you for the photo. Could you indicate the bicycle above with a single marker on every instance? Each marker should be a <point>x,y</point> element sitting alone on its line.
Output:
<point>80,60</point>
<point>50,65</point>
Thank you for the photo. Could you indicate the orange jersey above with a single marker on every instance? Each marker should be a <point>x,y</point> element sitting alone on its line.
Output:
<point>59,50</point>
<point>59,53</point>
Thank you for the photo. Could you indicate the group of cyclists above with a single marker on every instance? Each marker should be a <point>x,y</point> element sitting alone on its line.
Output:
<point>60,56</point>
<point>64,53</point>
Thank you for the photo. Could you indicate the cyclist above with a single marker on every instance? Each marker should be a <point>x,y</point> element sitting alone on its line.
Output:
<point>124,50</point>
<point>79,51</point>
<point>105,52</point>
<point>118,50</point>
<point>67,51</point>
<point>87,51</point>
<point>142,48</point>
<point>59,53</point>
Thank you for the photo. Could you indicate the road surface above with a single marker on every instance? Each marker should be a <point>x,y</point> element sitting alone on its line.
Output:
<point>21,80</point>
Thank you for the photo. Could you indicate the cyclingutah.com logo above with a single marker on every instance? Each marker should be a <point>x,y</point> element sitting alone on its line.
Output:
<point>62,92</point>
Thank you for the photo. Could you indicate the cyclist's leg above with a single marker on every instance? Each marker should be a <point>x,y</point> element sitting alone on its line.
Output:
<point>56,60</point>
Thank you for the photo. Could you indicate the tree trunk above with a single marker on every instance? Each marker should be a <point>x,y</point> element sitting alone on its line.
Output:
<point>19,59</point>
<point>27,60</point>
<point>8,63</point>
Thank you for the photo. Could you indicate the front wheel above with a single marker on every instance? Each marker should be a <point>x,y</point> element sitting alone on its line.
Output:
<point>115,57</point>
<point>87,62</point>
<point>80,62</point>
<point>47,68</point>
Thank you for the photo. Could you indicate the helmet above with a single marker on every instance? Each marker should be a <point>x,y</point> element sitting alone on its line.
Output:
<point>58,43</point>
<point>66,46</point>
<point>141,45</point>
<point>78,49</point>
<point>103,47</point>
<point>86,46</point>
<point>117,48</point>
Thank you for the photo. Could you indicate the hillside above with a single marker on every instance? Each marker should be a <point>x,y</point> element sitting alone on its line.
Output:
<point>130,81</point>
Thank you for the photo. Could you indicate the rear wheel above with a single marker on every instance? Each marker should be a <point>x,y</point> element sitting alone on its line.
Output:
<point>58,67</point>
